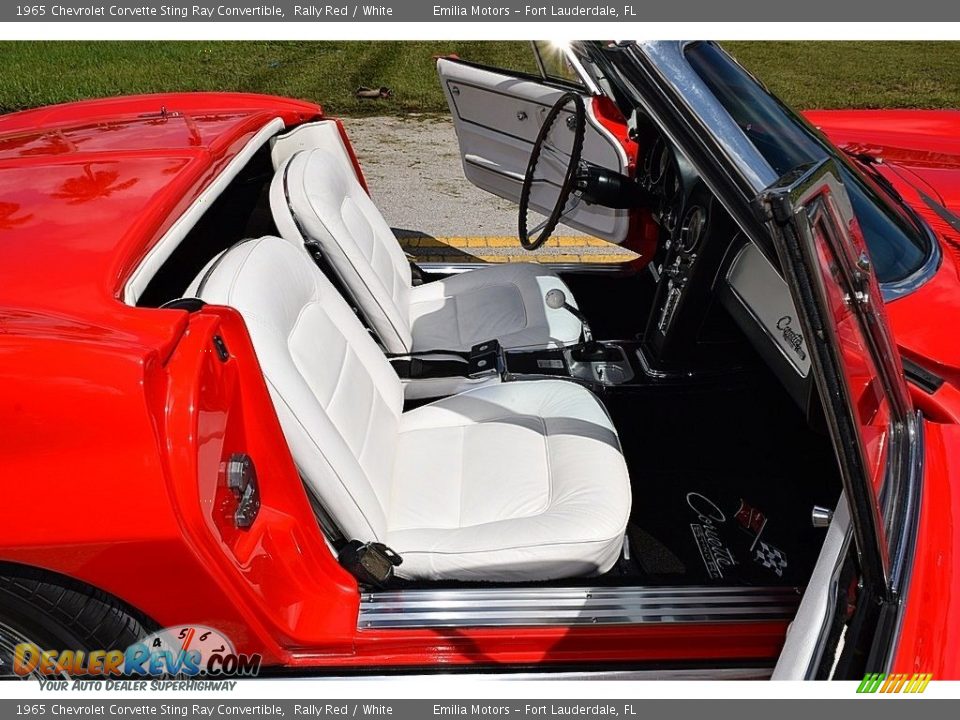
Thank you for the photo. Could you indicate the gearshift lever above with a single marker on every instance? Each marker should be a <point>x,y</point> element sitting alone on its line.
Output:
<point>589,350</point>
<point>556,299</point>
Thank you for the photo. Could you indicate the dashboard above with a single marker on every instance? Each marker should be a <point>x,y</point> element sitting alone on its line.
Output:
<point>705,262</point>
<point>694,232</point>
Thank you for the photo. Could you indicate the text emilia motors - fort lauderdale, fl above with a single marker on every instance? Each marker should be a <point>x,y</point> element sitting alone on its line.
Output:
<point>348,10</point>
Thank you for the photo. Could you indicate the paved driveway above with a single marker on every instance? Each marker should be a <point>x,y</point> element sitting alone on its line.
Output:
<point>413,169</point>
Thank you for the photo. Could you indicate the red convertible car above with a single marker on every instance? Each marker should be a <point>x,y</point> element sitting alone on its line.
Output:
<point>230,400</point>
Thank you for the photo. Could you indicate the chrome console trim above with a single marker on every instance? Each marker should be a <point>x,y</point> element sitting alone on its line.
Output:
<point>566,606</point>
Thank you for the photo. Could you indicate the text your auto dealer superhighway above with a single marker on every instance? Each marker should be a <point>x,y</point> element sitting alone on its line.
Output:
<point>162,11</point>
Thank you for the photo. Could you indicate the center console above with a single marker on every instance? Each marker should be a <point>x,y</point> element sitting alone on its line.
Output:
<point>617,363</point>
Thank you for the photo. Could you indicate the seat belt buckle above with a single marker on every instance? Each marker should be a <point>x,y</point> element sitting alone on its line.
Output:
<point>486,358</point>
<point>370,563</point>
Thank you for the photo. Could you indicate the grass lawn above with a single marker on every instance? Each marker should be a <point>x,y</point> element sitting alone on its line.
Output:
<point>805,74</point>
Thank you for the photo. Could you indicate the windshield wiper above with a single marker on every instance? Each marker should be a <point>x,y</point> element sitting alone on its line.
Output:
<point>868,163</point>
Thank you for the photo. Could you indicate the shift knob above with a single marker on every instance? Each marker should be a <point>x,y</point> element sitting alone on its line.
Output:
<point>555,299</point>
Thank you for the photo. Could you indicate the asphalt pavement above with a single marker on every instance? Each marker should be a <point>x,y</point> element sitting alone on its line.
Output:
<point>413,169</point>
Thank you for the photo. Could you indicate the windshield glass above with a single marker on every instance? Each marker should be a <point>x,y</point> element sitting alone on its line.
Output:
<point>897,246</point>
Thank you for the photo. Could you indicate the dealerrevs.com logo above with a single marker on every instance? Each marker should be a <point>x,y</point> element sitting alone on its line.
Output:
<point>186,652</point>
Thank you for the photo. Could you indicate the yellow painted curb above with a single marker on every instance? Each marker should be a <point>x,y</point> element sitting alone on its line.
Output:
<point>471,250</point>
<point>500,241</point>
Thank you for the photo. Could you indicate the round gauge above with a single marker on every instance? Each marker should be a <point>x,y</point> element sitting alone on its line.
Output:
<point>694,223</point>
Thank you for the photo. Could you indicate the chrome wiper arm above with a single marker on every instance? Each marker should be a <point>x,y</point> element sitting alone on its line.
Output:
<point>868,163</point>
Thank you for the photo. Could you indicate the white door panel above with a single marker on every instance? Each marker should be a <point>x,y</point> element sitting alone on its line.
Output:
<point>497,118</point>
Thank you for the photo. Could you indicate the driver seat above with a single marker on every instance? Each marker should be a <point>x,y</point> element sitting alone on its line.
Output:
<point>317,200</point>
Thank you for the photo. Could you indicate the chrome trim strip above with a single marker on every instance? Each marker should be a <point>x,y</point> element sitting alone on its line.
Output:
<point>448,268</point>
<point>904,555</point>
<point>668,56</point>
<point>573,606</point>
<point>157,255</point>
<point>744,673</point>
<point>581,71</point>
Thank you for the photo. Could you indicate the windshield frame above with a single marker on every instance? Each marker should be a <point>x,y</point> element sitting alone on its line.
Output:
<point>931,263</point>
<point>654,78</point>
<point>754,171</point>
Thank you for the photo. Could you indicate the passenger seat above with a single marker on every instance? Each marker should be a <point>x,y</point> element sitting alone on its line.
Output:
<point>316,198</point>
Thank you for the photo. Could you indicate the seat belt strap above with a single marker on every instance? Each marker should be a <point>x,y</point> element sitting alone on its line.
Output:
<point>417,273</point>
<point>328,525</point>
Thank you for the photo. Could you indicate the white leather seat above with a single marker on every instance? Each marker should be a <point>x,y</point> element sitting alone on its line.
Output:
<point>518,481</point>
<point>316,197</point>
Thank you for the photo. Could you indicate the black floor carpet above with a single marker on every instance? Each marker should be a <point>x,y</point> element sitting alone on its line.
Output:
<point>724,480</point>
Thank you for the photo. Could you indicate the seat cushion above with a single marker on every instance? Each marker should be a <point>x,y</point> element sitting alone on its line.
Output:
<point>503,302</point>
<point>519,481</point>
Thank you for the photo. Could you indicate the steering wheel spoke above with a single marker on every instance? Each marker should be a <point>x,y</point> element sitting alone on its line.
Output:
<point>572,204</point>
<point>556,152</point>
<point>545,149</point>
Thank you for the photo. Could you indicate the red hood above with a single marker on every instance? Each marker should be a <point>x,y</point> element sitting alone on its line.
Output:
<point>921,152</point>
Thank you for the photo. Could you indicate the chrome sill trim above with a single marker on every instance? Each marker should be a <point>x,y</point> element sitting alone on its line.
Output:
<point>511,607</point>
<point>448,268</point>
<point>707,673</point>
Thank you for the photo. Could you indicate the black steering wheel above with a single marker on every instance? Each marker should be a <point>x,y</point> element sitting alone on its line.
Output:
<point>576,122</point>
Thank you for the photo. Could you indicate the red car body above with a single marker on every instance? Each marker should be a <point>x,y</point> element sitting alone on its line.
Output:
<point>918,149</point>
<point>921,149</point>
<point>115,419</point>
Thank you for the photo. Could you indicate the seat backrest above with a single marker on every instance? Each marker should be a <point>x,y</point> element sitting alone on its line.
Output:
<point>338,400</point>
<point>316,197</point>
